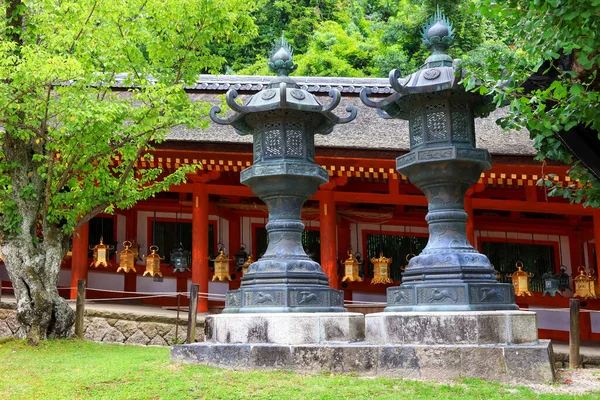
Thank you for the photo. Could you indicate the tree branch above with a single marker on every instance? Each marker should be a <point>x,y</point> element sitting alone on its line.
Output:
<point>82,27</point>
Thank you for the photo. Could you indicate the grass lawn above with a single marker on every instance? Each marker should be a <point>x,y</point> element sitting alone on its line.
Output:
<point>74,369</point>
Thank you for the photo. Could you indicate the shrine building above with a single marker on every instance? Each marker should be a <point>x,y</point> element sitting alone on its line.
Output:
<point>367,209</point>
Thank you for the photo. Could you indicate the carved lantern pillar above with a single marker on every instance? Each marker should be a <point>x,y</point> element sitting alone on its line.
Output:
<point>283,120</point>
<point>449,274</point>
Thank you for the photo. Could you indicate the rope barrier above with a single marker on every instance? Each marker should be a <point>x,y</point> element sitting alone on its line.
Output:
<point>220,297</point>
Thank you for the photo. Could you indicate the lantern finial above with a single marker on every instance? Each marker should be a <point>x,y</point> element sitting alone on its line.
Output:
<point>282,58</point>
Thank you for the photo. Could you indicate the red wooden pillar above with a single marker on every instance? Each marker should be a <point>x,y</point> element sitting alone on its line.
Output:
<point>200,270</point>
<point>234,247</point>
<point>470,221</point>
<point>328,237</point>
<point>597,237</point>
<point>79,260</point>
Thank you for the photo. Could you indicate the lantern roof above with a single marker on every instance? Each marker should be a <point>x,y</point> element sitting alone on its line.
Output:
<point>438,75</point>
<point>282,93</point>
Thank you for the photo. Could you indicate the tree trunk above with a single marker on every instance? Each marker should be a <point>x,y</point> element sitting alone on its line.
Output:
<point>33,270</point>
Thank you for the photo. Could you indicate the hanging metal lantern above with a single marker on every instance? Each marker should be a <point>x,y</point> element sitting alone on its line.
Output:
<point>351,269</point>
<point>241,257</point>
<point>520,280</point>
<point>246,264</point>
<point>221,267</point>
<point>381,269</point>
<point>127,258</point>
<point>551,284</point>
<point>179,259</point>
<point>101,252</point>
<point>153,262</point>
<point>582,285</point>
<point>563,279</point>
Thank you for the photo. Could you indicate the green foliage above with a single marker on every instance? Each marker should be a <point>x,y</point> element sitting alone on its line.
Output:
<point>538,32</point>
<point>74,369</point>
<point>69,143</point>
<point>357,37</point>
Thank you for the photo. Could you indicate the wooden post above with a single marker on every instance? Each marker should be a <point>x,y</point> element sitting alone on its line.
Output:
<point>192,313</point>
<point>79,260</point>
<point>574,357</point>
<point>80,308</point>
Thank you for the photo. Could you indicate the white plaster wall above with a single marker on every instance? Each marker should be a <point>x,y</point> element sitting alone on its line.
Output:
<point>595,318</point>
<point>147,284</point>
<point>3,273</point>
<point>219,288</point>
<point>370,297</point>
<point>106,280</point>
<point>64,278</point>
<point>553,319</point>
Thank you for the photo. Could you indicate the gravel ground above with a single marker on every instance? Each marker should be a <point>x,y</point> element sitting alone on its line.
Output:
<point>572,381</point>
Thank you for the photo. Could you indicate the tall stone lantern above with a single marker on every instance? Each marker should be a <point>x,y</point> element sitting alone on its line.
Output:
<point>283,120</point>
<point>443,162</point>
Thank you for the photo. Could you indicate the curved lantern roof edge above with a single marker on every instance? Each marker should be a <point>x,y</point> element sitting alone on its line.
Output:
<point>279,98</point>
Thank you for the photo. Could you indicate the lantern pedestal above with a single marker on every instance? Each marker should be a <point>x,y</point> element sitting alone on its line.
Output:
<point>494,345</point>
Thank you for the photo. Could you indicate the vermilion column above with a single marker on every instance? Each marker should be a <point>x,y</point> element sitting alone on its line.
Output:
<point>596,238</point>
<point>470,221</point>
<point>79,259</point>
<point>234,247</point>
<point>328,237</point>
<point>200,243</point>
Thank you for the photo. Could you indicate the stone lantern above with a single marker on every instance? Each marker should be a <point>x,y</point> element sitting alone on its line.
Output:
<point>449,274</point>
<point>283,120</point>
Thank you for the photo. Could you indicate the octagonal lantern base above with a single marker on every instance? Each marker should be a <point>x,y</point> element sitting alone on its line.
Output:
<point>451,296</point>
<point>285,297</point>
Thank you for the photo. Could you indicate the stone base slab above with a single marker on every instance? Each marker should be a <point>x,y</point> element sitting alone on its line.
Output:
<point>531,363</point>
<point>285,328</point>
<point>452,328</point>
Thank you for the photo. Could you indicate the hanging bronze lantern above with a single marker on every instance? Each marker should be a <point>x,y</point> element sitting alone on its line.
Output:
<point>221,267</point>
<point>153,262</point>
<point>101,252</point>
<point>240,257</point>
<point>351,269</point>
<point>127,258</point>
<point>179,259</point>
<point>381,269</point>
<point>520,280</point>
<point>582,285</point>
<point>592,280</point>
<point>246,264</point>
